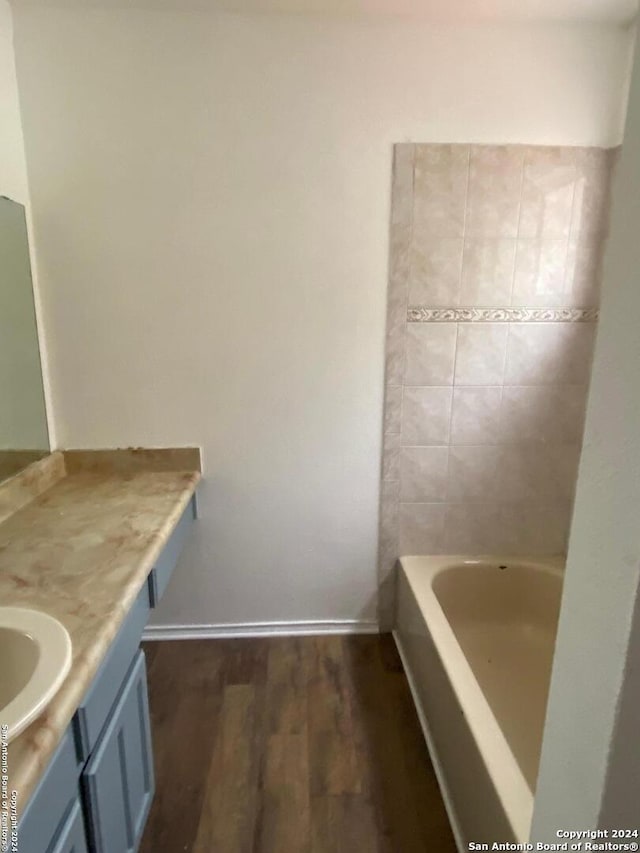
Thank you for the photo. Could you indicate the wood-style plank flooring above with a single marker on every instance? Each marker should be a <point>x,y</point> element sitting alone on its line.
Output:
<point>288,745</point>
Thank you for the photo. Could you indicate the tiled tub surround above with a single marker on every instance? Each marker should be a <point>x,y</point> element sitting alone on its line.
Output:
<point>494,286</point>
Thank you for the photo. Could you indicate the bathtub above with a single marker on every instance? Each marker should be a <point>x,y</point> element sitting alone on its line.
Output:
<point>476,637</point>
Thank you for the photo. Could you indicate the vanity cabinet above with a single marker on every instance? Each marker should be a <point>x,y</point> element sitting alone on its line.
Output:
<point>44,824</point>
<point>96,793</point>
<point>118,781</point>
<point>72,837</point>
<point>100,698</point>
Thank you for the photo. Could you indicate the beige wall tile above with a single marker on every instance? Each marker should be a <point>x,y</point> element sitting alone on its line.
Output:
<point>421,528</point>
<point>490,463</point>
<point>426,416</point>
<point>474,528</point>
<point>562,462</point>
<point>394,355</point>
<point>589,157</point>
<point>389,530</point>
<point>423,473</point>
<point>400,242</point>
<point>473,473</point>
<point>387,597</point>
<point>536,474</point>
<point>543,413</point>
<point>549,353</point>
<point>539,277</point>
<point>430,353</point>
<point>547,192</point>
<point>391,456</point>
<point>592,198</point>
<point>390,492</point>
<point>537,529</point>
<point>583,273</point>
<point>397,302</point>
<point>392,408</point>
<point>495,182</point>
<point>520,474</point>
<point>401,213</point>
<point>403,164</point>
<point>487,271</point>
<point>435,269</point>
<point>440,191</point>
<point>480,353</point>
<point>399,246</point>
<point>476,415</point>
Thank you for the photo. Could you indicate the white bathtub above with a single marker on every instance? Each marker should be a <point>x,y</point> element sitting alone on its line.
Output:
<point>477,641</point>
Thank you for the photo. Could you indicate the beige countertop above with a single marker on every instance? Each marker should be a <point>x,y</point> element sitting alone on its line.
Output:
<point>81,550</point>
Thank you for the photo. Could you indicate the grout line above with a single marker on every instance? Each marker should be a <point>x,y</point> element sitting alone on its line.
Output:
<point>540,503</point>
<point>412,205</point>
<point>524,161</point>
<point>464,224</point>
<point>517,239</point>
<point>532,444</point>
<point>466,198</point>
<point>455,359</point>
<point>504,365</point>
<point>497,386</point>
<point>573,198</point>
<point>407,286</point>
<point>453,387</point>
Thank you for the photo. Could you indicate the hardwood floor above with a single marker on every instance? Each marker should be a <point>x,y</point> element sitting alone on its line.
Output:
<point>289,745</point>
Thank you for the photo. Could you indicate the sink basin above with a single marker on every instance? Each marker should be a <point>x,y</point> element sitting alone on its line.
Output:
<point>35,655</point>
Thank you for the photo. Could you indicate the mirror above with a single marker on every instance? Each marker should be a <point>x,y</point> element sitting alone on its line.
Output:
<point>23,421</point>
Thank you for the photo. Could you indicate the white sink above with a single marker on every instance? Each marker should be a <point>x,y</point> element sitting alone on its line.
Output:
<point>35,656</point>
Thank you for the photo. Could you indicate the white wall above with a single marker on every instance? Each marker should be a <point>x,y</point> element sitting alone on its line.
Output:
<point>211,197</point>
<point>590,767</point>
<point>13,172</point>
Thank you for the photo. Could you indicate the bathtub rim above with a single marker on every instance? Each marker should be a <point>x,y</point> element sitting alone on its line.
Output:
<point>509,783</point>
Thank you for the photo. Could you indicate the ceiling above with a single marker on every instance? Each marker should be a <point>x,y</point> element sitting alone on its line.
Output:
<point>592,11</point>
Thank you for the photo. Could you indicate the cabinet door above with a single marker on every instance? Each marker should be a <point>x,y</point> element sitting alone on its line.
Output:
<point>51,802</point>
<point>95,708</point>
<point>72,838</point>
<point>118,781</point>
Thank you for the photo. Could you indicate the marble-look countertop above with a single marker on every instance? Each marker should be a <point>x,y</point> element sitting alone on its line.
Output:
<point>81,550</point>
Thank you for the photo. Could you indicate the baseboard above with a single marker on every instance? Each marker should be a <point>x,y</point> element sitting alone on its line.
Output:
<point>435,760</point>
<point>260,629</point>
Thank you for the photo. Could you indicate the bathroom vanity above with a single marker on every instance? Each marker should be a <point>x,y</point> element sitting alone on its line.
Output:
<point>96,549</point>
<point>90,539</point>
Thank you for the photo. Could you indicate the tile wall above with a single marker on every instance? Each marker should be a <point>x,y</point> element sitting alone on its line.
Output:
<point>495,272</point>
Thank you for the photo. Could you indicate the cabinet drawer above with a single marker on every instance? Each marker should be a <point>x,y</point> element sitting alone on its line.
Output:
<point>72,838</point>
<point>51,800</point>
<point>96,705</point>
<point>118,781</point>
<point>167,561</point>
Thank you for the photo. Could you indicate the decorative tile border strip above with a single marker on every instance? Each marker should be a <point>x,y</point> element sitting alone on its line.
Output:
<point>418,314</point>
